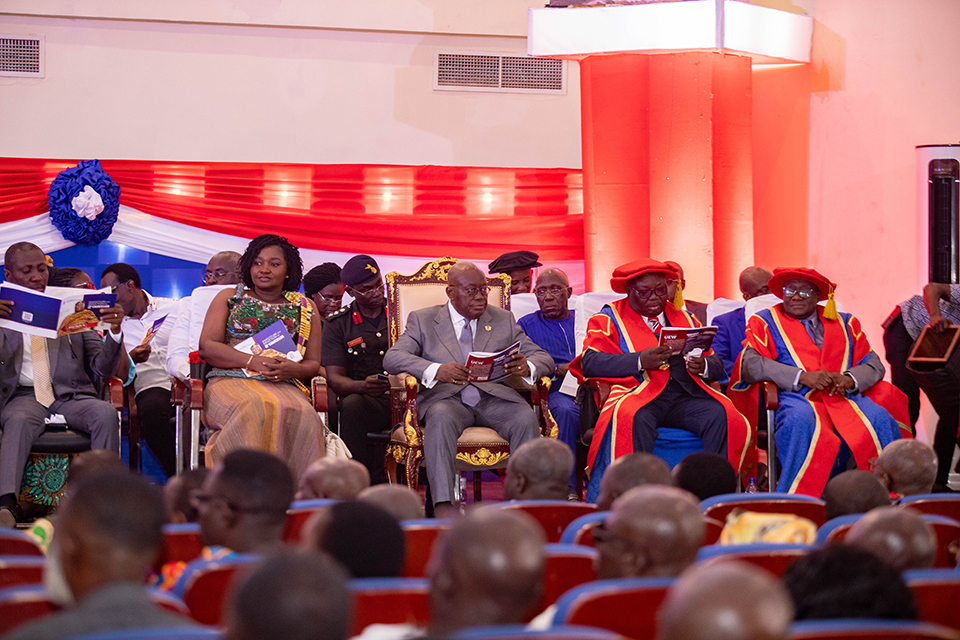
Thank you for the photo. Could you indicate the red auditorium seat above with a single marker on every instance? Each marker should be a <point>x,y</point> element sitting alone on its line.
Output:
<point>297,516</point>
<point>774,557</point>
<point>567,566</point>
<point>22,604</point>
<point>17,570</point>
<point>938,504</point>
<point>181,543</point>
<point>804,506</point>
<point>17,543</point>
<point>867,629</point>
<point>389,601</point>
<point>420,537</point>
<point>937,594</point>
<point>206,591</point>
<point>552,515</point>
<point>714,528</point>
<point>627,607</point>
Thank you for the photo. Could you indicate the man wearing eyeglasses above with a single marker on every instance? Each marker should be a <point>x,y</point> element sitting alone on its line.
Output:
<point>434,348</point>
<point>833,402</point>
<point>650,388</point>
<point>553,329</point>
<point>354,343</point>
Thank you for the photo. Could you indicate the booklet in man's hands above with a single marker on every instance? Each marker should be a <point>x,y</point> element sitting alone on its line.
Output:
<point>487,367</point>
<point>58,311</point>
<point>683,341</point>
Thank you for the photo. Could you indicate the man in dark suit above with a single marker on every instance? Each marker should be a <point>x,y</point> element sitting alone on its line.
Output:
<point>732,326</point>
<point>434,348</point>
<point>31,389</point>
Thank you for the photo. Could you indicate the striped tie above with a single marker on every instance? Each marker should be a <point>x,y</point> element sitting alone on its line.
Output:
<point>42,388</point>
<point>655,326</point>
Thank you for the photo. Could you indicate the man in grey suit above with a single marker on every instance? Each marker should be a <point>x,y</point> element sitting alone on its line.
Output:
<point>70,363</point>
<point>434,347</point>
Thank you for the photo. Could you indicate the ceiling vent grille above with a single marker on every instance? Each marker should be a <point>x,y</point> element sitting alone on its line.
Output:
<point>501,73</point>
<point>21,56</point>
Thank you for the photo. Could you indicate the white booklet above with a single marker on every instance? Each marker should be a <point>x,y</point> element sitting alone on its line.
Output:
<point>58,311</point>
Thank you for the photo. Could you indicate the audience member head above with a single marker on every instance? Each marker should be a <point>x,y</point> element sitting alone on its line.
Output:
<point>25,264</point>
<point>109,531</point>
<point>539,470</point>
<point>69,277</point>
<point>294,596</point>
<point>900,536</point>
<point>488,569</point>
<point>364,538</point>
<point>705,475</point>
<point>840,581</point>
<point>178,495</point>
<point>93,463</point>
<point>907,467</point>
<point>800,289</point>
<point>652,531</point>
<point>322,284</point>
<point>362,279</point>
<point>276,262</point>
<point>223,268</point>
<point>645,283</point>
<point>753,282</point>
<point>466,287</point>
<point>629,471</point>
<point>519,266</point>
<point>400,501</point>
<point>854,491</point>
<point>333,478</point>
<point>727,600</point>
<point>553,292</point>
<point>244,500</point>
<point>124,280</point>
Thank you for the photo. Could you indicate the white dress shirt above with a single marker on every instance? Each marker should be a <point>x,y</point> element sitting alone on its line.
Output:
<point>185,335</point>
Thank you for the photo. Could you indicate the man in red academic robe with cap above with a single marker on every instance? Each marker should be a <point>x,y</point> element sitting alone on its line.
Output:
<point>832,399</point>
<point>649,387</point>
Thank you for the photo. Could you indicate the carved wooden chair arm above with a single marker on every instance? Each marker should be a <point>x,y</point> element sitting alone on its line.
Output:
<point>602,387</point>
<point>771,395</point>
<point>411,423</point>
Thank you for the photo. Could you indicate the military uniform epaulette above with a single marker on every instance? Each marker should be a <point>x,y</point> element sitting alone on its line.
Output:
<point>338,312</point>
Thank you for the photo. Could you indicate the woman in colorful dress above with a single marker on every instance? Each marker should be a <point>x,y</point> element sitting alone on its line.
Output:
<point>262,401</point>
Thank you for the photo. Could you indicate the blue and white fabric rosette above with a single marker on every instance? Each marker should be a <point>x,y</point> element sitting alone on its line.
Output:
<point>84,202</point>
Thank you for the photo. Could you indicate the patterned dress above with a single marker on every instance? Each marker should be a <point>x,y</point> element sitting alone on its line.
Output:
<point>254,413</point>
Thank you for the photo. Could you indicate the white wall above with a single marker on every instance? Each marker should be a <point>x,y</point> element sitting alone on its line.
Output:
<point>182,80</point>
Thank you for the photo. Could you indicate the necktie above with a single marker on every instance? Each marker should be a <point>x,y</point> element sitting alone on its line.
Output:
<point>42,388</point>
<point>469,394</point>
<point>655,326</point>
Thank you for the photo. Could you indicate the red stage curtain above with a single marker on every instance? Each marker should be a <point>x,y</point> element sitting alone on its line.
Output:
<point>378,209</point>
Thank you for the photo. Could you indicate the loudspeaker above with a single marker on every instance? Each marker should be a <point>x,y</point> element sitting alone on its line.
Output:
<point>938,191</point>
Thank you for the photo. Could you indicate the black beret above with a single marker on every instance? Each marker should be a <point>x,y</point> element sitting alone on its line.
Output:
<point>514,261</point>
<point>359,269</point>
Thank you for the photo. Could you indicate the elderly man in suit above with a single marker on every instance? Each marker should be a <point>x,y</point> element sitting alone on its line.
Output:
<point>434,348</point>
<point>33,387</point>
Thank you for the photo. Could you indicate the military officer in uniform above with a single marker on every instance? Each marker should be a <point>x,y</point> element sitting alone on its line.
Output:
<point>354,341</point>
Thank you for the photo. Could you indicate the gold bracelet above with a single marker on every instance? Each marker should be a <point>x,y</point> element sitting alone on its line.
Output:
<point>249,360</point>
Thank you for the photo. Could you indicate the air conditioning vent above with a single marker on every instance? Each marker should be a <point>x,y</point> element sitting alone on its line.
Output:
<point>502,73</point>
<point>21,56</point>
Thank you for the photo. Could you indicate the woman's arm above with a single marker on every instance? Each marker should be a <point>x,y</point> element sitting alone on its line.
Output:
<point>279,369</point>
<point>212,346</point>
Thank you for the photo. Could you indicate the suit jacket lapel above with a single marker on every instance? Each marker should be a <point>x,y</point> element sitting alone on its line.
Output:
<point>444,329</point>
<point>54,351</point>
<point>482,336</point>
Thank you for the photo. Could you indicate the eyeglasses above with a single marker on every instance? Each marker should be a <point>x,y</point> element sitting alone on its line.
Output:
<point>803,294</point>
<point>218,274</point>
<point>366,292</point>
<point>199,500</point>
<point>643,294</point>
<point>542,292</point>
<point>471,291</point>
<point>338,299</point>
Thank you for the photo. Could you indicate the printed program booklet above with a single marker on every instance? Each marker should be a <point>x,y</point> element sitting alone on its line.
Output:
<point>152,331</point>
<point>275,340</point>
<point>487,367</point>
<point>683,341</point>
<point>58,311</point>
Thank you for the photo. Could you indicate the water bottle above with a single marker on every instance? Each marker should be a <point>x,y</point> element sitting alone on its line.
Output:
<point>752,486</point>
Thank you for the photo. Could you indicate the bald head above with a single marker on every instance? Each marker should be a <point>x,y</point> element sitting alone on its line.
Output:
<point>629,471</point>
<point>753,282</point>
<point>900,536</point>
<point>907,467</point>
<point>333,478</point>
<point>854,491</point>
<point>539,469</point>
<point>400,501</point>
<point>652,531</point>
<point>465,282</point>
<point>725,601</point>
<point>488,569</point>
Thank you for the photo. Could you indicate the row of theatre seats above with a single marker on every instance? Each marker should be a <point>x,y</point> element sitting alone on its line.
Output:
<point>585,607</point>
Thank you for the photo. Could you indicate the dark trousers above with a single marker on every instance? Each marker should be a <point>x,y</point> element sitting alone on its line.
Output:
<point>361,414</point>
<point>676,407</point>
<point>896,344</point>
<point>156,416</point>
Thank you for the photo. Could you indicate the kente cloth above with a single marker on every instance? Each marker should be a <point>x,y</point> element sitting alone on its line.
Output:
<point>620,329</point>
<point>809,424</point>
<point>254,413</point>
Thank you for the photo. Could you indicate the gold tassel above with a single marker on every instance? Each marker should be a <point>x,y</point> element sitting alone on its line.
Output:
<point>830,310</point>
<point>48,260</point>
<point>678,298</point>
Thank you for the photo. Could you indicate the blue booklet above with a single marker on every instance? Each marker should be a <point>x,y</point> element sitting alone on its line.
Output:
<point>32,311</point>
<point>275,340</point>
